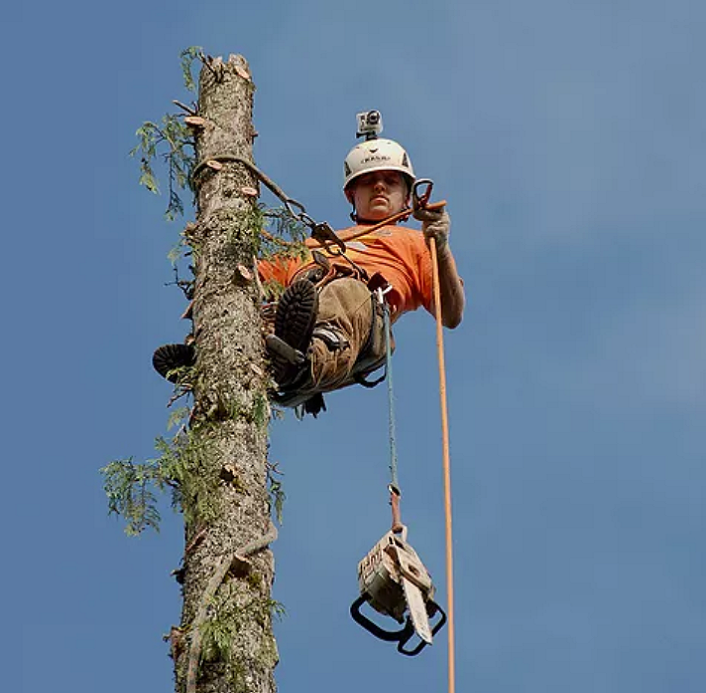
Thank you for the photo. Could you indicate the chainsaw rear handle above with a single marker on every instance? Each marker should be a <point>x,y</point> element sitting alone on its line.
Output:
<point>404,634</point>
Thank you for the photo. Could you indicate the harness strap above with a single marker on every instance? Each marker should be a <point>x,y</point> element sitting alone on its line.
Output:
<point>321,270</point>
<point>378,286</point>
<point>360,379</point>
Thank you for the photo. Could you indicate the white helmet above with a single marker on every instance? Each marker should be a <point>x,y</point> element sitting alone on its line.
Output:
<point>376,155</point>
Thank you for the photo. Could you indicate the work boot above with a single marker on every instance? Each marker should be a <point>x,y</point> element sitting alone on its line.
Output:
<point>170,357</point>
<point>294,325</point>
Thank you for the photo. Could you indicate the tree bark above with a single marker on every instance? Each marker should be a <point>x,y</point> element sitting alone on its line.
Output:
<point>226,626</point>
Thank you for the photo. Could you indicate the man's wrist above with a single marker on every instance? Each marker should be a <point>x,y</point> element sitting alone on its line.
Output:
<point>442,248</point>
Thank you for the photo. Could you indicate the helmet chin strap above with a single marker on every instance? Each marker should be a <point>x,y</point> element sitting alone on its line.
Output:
<point>359,220</point>
<point>364,222</point>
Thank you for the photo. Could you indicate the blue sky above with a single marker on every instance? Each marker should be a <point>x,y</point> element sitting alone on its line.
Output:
<point>569,139</point>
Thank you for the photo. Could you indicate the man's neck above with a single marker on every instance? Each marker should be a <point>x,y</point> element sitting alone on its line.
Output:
<point>372,222</point>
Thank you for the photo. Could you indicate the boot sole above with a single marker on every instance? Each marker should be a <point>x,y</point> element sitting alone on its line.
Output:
<point>294,325</point>
<point>296,314</point>
<point>169,357</point>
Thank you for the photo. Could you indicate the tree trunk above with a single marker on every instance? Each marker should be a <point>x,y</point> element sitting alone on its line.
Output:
<point>226,626</point>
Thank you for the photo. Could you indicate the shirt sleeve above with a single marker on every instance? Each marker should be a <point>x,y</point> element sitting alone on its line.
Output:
<point>278,269</point>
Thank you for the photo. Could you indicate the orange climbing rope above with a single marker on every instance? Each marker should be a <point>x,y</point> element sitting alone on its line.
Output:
<point>446,464</point>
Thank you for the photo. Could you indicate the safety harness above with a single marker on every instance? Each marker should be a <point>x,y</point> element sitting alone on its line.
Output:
<point>321,272</point>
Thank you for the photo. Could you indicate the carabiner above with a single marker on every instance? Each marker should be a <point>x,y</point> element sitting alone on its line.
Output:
<point>290,203</point>
<point>421,201</point>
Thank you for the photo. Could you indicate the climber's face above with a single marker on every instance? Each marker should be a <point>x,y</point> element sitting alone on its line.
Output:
<point>378,195</point>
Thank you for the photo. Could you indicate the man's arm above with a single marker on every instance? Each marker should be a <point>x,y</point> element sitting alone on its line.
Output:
<point>436,226</point>
<point>453,299</point>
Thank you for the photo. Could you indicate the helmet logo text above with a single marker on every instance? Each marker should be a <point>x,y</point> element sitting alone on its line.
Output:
<point>379,157</point>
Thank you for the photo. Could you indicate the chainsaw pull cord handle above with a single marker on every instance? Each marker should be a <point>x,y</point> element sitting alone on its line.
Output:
<point>395,495</point>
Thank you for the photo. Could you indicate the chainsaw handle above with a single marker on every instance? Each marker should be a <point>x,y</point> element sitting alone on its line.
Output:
<point>404,634</point>
<point>381,633</point>
<point>432,609</point>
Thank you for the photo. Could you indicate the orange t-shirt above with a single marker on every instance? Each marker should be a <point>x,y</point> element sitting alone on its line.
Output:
<point>398,253</point>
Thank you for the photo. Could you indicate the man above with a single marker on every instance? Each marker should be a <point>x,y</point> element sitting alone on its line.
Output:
<point>329,329</point>
<point>327,313</point>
